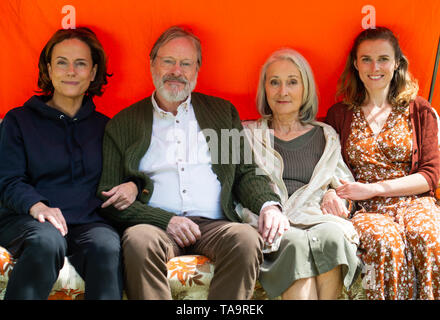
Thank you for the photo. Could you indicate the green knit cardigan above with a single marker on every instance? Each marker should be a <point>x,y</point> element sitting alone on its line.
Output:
<point>128,136</point>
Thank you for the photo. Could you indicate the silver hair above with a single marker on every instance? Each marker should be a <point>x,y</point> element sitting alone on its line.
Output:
<point>173,33</point>
<point>309,106</point>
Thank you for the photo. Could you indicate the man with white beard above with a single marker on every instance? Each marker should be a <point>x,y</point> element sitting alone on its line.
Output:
<point>179,198</point>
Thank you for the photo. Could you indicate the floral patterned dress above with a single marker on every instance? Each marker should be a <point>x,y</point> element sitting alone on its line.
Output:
<point>399,236</point>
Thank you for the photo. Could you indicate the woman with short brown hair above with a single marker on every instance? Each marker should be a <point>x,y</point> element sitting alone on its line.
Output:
<point>50,165</point>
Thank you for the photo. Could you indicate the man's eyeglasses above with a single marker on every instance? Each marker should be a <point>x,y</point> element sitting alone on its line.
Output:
<point>168,63</point>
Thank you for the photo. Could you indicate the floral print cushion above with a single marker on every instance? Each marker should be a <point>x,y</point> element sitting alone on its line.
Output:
<point>6,265</point>
<point>68,286</point>
<point>189,277</point>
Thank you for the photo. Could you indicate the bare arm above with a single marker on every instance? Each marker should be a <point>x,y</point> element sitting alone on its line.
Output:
<point>406,186</point>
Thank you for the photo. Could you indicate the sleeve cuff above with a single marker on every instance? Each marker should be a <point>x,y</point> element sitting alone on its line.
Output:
<point>271,203</point>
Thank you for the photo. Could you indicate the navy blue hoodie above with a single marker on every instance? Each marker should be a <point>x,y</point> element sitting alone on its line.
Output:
<point>47,156</point>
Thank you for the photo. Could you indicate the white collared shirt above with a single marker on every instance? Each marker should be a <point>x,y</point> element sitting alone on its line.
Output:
<point>178,162</point>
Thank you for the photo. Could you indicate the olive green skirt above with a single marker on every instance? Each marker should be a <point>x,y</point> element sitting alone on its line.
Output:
<point>306,253</point>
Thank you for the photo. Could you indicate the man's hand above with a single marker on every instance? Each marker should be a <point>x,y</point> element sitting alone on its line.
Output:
<point>41,212</point>
<point>272,222</point>
<point>332,204</point>
<point>121,196</point>
<point>183,230</point>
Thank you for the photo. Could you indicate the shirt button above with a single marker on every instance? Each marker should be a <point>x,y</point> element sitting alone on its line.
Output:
<point>177,121</point>
<point>182,169</point>
<point>314,239</point>
<point>183,191</point>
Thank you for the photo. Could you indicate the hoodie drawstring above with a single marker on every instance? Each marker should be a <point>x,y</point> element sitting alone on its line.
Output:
<point>75,139</point>
<point>68,146</point>
<point>71,138</point>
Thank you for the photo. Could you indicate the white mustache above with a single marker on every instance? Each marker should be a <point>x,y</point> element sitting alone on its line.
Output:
<point>173,78</point>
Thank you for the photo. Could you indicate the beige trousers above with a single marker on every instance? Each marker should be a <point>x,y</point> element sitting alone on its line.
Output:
<point>235,248</point>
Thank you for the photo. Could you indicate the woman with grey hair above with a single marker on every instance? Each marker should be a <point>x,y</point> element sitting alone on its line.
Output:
<point>317,255</point>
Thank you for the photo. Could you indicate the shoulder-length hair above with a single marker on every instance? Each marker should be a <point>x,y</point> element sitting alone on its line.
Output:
<point>99,58</point>
<point>309,106</point>
<point>403,88</point>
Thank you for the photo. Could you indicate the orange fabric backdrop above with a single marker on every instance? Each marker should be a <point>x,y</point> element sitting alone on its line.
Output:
<point>236,36</point>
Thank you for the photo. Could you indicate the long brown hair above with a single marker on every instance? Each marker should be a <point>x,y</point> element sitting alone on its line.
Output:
<point>99,58</point>
<point>403,88</point>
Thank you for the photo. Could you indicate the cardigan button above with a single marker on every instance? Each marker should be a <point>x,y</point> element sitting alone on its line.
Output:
<point>415,151</point>
<point>145,191</point>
